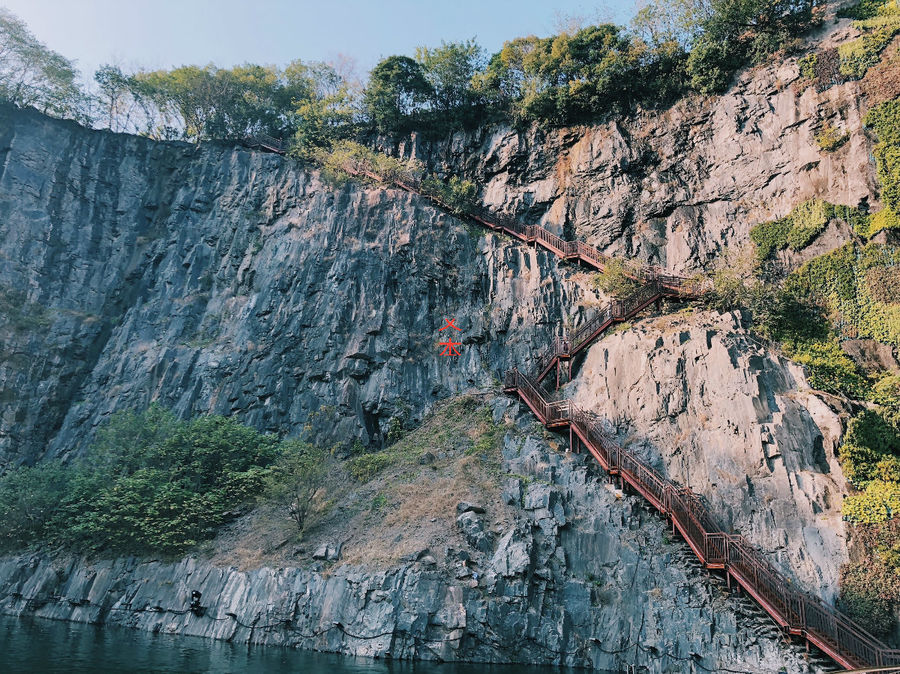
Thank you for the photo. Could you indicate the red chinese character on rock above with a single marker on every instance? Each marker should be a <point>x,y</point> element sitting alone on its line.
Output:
<point>450,324</point>
<point>450,346</point>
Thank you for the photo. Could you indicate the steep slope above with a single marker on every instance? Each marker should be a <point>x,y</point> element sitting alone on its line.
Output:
<point>214,279</point>
<point>675,187</point>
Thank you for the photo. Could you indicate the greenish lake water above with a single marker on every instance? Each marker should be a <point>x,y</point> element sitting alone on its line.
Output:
<point>48,646</point>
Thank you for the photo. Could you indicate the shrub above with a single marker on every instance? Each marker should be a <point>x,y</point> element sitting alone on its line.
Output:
<point>457,195</point>
<point>150,483</point>
<point>882,220</point>
<point>863,53</point>
<point>878,503</point>
<point>830,139</point>
<point>296,477</point>
<point>830,369</point>
<point>348,157</point>
<point>797,229</point>
<point>364,468</point>
<point>866,595</point>
<point>616,279</point>
<point>869,439</point>
<point>838,281</point>
<point>808,66</point>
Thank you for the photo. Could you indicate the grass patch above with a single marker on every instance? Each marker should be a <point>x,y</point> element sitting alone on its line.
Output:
<point>459,424</point>
<point>800,227</point>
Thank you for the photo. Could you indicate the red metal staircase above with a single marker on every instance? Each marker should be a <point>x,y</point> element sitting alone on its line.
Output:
<point>797,612</point>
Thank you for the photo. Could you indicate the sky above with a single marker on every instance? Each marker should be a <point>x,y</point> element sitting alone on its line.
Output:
<point>167,33</point>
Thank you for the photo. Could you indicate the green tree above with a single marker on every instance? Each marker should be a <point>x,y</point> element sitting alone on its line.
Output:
<point>33,75</point>
<point>297,477</point>
<point>449,70</point>
<point>397,88</point>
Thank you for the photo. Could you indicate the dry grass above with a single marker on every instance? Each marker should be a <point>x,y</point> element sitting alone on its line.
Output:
<point>405,508</point>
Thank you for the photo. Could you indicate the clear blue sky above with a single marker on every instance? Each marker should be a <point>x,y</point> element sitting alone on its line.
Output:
<point>166,33</point>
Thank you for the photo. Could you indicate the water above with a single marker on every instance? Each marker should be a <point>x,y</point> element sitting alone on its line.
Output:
<point>49,646</point>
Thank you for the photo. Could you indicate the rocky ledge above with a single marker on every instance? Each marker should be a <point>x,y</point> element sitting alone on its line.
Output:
<point>583,575</point>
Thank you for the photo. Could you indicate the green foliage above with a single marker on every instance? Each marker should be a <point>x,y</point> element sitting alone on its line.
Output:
<point>296,477</point>
<point>884,119</point>
<point>885,219</point>
<point>830,139</point>
<point>711,64</point>
<point>616,279</point>
<point>347,157</point>
<point>397,85</point>
<point>864,52</point>
<point>838,281</point>
<point>450,70</point>
<point>866,9</point>
<point>808,66</point>
<point>830,369</point>
<point>364,468</point>
<point>867,597</point>
<point>457,195</point>
<point>878,503</point>
<point>32,75</point>
<point>870,438</point>
<point>150,483</point>
<point>799,227</point>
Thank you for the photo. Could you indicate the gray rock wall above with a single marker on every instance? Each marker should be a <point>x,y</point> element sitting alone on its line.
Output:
<point>583,576</point>
<point>219,280</point>
<point>699,399</point>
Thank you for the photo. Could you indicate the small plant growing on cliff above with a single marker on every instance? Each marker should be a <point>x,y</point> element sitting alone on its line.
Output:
<point>615,280</point>
<point>830,139</point>
<point>457,195</point>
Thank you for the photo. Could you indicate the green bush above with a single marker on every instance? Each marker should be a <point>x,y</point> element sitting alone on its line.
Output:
<point>830,369</point>
<point>346,157</point>
<point>799,227</point>
<point>808,66</point>
<point>457,195</point>
<point>864,52</point>
<point>870,438</point>
<point>839,281</point>
<point>830,139</point>
<point>150,483</point>
<point>884,219</point>
<point>878,503</point>
<point>296,477</point>
<point>364,468</point>
<point>866,597</point>
<point>616,279</point>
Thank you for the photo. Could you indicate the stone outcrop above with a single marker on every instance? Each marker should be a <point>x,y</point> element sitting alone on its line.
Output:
<point>674,187</point>
<point>712,409</point>
<point>583,575</point>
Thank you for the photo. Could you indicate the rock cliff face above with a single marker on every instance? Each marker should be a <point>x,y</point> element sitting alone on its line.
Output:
<point>582,576</point>
<point>713,410</point>
<point>219,280</point>
<point>214,279</point>
<point>674,188</point>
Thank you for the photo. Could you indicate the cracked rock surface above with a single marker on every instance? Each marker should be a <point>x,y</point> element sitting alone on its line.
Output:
<point>581,576</point>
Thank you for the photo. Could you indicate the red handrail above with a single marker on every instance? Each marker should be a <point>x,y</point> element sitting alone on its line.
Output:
<point>797,612</point>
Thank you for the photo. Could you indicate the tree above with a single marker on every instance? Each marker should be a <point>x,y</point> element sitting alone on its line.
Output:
<point>397,86</point>
<point>449,70</point>
<point>297,477</point>
<point>31,74</point>
<point>323,103</point>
